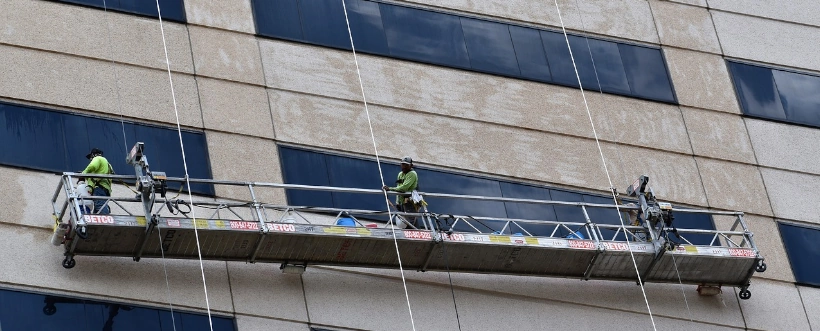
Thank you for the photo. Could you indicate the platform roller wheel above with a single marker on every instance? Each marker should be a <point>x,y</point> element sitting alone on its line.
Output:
<point>744,294</point>
<point>82,232</point>
<point>49,310</point>
<point>69,262</point>
<point>760,267</point>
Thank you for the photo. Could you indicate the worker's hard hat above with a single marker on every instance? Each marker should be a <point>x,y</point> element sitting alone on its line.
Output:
<point>407,160</point>
<point>93,151</point>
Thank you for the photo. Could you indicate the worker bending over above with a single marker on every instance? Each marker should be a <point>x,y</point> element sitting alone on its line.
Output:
<point>99,186</point>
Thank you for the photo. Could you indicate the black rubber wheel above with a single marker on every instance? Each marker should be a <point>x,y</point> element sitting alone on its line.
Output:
<point>82,232</point>
<point>69,263</point>
<point>760,267</point>
<point>49,310</point>
<point>745,294</point>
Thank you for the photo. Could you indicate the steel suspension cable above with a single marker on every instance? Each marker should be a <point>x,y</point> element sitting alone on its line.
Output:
<point>378,164</point>
<point>603,161</point>
<point>185,166</point>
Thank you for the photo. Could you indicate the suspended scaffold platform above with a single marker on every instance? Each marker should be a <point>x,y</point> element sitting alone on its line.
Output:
<point>298,236</point>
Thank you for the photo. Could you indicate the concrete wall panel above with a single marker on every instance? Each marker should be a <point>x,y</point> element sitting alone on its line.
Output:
<point>227,55</point>
<point>252,323</point>
<point>768,41</point>
<point>811,299</point>
<point>234,107</point>
<point>701,80</point>
<point>793,196</point>
<point>767,294</point>
<point>230,15</point>
<point>263,290</point>
<point>798,11</point>
<point>685,26</point>
<point>94,33</point>
<point>767,239</point>
<point>718,135</point>
<point>734,186</point>
<point>785,146</point>
<point>244,158</point>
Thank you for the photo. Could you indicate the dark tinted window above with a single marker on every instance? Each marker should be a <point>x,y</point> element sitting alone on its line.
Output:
<point>801,246</point>
<point>366,27</point>
<point>172,10</point>
<point>20,311</point>
<point>490,46</point>
<point>529,50</point>
<point>278,19</point>
<point>777,94</point>
<point>468,43</point>
<point>54,141</point>
<point>646,72</point>
<point>313,168</point>
<point>424,36</point>
<point>323,23</point>
<point>756,90</point>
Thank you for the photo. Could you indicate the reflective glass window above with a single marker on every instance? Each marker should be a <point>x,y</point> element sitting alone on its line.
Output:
<point>801,247</point>
<point>306,168</point>
<point>609,66</point>
<point>490,47</point>
<point>529,50</point>
<point>529,211</point>
<point>424,36</point>
<point>646,71</point>
<point>800,96</point>
<point>172,10</point>
<point>323,23</point>
<point>366,27</point>
<point>61,140</point>
<point>560,61</point>
<point>757,91</point>
<point>278,19</point>
<point>358,173</point>
<point>695,221</point>
<point>21,311</point>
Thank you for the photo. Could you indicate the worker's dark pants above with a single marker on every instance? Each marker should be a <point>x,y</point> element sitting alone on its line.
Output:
<point>410,208</point>
<point>101,206</point>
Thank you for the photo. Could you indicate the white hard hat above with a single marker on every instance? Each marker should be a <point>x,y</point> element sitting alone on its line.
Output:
<point>407,160</point>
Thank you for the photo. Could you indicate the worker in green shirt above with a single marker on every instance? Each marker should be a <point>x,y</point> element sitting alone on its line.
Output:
<point>99,186</point>
<point>406,182</point>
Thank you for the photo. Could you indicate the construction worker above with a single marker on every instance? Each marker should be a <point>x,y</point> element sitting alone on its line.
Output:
<point>99,186</point>
<point>406,182</point>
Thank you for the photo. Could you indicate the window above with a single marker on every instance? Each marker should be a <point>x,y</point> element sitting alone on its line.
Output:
<point>469,43</point>
<point>801,247</point>
<point>20,311</point>
<point>777,94</point>
<point>172,10</point>
<point>47,140</point>
<point>300,166</point>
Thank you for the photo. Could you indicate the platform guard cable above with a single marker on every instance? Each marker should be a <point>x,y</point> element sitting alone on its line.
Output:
<point>603,161</point>
<point>185,166</point>
<point>617,152</point>
<point>125,146</point>
<point>378,163</point>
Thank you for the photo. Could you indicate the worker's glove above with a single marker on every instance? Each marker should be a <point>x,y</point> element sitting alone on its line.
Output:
<point>386,188</point>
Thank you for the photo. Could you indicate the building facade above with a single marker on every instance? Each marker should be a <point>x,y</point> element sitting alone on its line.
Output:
<point>715,100</point>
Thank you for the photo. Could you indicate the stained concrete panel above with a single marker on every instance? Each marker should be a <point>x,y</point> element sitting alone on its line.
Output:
<point>244,158</point>
<point>785,146</point>
<point>374,303</point>
<point>263,290</point>
<point>90,84</point>
<point>734,186</point>
<point>88,32</point>
<point>253,323</point>
<point>793,196</point>
<point>235,107</point>
<point>115,278</point>
<point>798,11</point>
<point>227,55</point>
<point>760,312</point>
<point>685,26</point>
<point>503,150</point>
<point>629,19</point>
<point>718,135</point>
<point>701,80</point>
<point>229,15</point>
<point>699,3</point>
<point>28,197</point>
<point>811,300</point>
<point>768,242</point>
<point>766,40</point>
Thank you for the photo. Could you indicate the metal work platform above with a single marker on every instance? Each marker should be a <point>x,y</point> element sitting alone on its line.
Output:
<point>298,237</point>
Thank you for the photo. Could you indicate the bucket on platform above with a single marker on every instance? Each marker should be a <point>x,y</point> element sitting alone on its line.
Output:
<point>576,235</point>
<point>345,221</point>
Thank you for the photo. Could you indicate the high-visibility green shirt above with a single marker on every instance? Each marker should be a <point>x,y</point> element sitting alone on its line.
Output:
<point>99,165</point>
<point>407,182</point>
